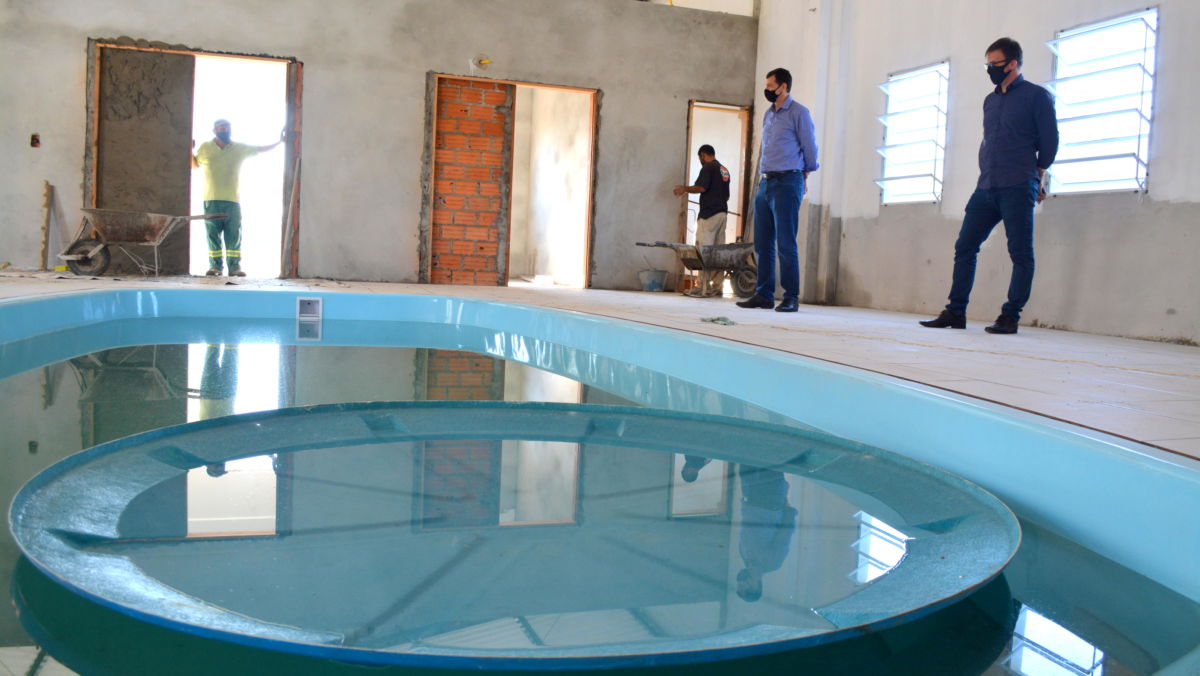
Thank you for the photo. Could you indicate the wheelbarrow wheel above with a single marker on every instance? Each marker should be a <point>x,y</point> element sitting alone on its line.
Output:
<point>95,264</point>
<point>745,280</point>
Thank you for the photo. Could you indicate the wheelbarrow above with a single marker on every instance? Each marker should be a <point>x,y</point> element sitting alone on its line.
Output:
<point>735,261</point>
<point>89,253</point>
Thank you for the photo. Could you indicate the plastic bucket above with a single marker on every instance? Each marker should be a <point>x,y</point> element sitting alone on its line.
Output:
<point>652,280</point>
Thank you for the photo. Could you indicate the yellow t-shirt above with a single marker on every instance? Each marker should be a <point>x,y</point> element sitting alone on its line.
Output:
<point>221,167</point>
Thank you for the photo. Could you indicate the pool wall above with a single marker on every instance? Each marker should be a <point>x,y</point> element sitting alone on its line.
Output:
<point>1125,501</point>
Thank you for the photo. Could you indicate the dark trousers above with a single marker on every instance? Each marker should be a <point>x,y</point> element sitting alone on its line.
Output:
<point>776,223</point>
<point>229,229</point>
<point>986,208</point>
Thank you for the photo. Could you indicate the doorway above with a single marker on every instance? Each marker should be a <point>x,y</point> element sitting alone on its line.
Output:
<point>726,128</point>
<point>511,195</point>
<point>551,186</point>
<point>252,95</point>
<point>145,107</point>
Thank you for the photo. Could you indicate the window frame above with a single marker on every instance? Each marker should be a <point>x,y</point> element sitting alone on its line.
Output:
<point>943,124</point>
<point>1150,70</point>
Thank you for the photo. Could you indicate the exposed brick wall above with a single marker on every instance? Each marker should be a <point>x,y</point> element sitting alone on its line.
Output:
<point>471,182</point>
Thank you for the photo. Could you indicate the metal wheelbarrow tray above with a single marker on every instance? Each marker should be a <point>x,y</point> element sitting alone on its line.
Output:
<point>735,260</point>
<point>88,254</point>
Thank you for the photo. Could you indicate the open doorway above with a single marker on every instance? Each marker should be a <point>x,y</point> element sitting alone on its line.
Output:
<point>725,128</point>
<point>551,186</point>
<point>251,94</point>
<point>512,179</point>
<point>146,104</point>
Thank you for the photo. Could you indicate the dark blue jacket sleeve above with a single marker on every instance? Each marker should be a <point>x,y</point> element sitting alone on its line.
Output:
<point>1047,129</point>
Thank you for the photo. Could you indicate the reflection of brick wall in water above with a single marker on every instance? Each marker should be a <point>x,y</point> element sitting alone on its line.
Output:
<point>461,484</point>
<point>461,478</point>
<point>463,376</point>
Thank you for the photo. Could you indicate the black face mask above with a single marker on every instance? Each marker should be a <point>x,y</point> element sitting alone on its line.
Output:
<point>997,74</point>
<point>772,96</point>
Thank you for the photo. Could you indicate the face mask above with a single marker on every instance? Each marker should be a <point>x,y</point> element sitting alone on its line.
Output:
<point>997,73</point>
<point>771,96</point>
<point>225,136</point>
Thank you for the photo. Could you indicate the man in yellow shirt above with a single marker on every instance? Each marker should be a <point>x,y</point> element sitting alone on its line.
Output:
<point>222,160</point>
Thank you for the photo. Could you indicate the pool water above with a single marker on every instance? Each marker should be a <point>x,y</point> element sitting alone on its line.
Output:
<point>1058,608</point>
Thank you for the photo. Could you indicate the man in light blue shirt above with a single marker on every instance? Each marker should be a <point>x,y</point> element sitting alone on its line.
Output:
<point>789,154</point>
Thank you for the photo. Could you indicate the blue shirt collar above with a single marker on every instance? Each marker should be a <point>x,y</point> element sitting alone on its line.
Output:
<point>1019,81</point>
<point>786,104</point>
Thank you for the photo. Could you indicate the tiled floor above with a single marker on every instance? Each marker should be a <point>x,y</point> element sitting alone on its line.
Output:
<point>1140,390</point>
<point>22,660</point>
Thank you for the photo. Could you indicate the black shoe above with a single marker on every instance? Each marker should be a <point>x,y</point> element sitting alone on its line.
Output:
<point>946,320</point>
<point>756,301</point>
<point>1004,324</point>
<point>787,305</point>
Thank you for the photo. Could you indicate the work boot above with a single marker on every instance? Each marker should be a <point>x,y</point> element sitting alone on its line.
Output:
<point>946,320</point>
<point>236,272</point>
<point>1004,324</point>
<point>213,272</point>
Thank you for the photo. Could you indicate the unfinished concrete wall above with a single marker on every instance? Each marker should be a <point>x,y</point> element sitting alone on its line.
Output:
<point>144,133</point>
<point>366,66</point>
<point>1115,263</point>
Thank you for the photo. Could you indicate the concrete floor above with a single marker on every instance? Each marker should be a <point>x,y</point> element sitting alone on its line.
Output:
<point>1139,390</point>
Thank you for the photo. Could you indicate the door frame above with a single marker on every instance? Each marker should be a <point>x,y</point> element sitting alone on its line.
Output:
<point>747,154</point>
<point>290,241</point>
<point>428,174</point>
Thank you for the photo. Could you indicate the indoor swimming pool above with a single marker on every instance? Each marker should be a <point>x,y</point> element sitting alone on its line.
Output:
<point>280,480</point>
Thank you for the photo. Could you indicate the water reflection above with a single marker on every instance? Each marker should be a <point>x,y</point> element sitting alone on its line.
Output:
<point>51,410</point>
<point>398,506</point>
<point>964,639</point>
<point>766,525</point>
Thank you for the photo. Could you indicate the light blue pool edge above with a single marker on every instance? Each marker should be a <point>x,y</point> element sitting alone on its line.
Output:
<point>1113,496</point>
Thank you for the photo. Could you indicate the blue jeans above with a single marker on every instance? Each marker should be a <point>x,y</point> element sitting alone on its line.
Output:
<point>986,208</point>
<point>776,221</point>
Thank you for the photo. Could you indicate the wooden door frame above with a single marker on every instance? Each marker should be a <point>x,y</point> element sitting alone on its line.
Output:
<point>745,177</point>
<point>746,157</point>
<point>425,250</point>
<point>290,242</point>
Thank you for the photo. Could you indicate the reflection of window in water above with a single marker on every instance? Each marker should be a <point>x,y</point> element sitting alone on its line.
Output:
<point>880,547</point>
<point>236,497</point>
<point>1041,647</point>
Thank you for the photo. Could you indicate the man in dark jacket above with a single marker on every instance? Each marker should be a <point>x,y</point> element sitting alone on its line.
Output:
<point>1020,139</point>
